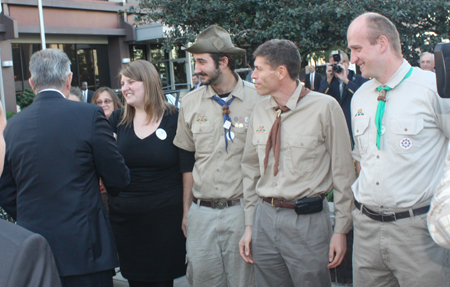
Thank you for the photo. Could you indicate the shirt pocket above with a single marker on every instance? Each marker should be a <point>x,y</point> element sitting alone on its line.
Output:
<point>300,153</point>
<point>404,136</point>
<point>260,141</point>
<point>203,138</point>
<point>240,135</point>
<point>361,133</point>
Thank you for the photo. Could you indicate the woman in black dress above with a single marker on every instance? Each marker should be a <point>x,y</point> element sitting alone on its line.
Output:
<point>146,217</point>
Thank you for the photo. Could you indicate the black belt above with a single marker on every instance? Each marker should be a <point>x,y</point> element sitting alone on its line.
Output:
<point>390,216</point>
<point>219,204</point>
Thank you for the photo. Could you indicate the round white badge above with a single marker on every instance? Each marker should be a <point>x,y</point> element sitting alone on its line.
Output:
<point>383,130</point>
<point>406,143</point>
<point>246,119</point>
<point>161,134</point>
<point>230,135</point>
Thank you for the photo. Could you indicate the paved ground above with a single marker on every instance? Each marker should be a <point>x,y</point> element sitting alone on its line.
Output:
<point>119,281</point>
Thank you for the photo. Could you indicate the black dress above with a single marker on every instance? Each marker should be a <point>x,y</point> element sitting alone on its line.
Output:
<point>146,217</point>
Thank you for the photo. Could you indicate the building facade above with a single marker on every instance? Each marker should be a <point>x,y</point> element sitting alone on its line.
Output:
<point>96,37</point>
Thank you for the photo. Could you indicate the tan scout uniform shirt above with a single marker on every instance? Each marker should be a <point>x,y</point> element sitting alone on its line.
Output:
<point>314,155</point>
<point>407,169</point>
<point>217,174</point>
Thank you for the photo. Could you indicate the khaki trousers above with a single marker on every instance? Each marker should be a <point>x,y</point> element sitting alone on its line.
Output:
<point>398,253</point>
<point>212,247</point>
<point>290,249</point>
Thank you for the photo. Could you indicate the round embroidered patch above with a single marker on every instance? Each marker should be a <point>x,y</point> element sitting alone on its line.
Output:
<point>406,143</point>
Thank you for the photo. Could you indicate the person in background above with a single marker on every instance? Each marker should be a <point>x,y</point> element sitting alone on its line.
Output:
<point>196,82</point>
<point>146,217</point>
<point>87,94</point>
<point>313,79</point>
<point>107,99</point>
<point>427,61</point>
<point>26,258</point>
<point>75,94</point>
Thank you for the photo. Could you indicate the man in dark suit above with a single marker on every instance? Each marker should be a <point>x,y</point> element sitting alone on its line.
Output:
<point>87,94</point>
<point>196,82</point>
<point>25,257</point>
<point>314,78</point>
<point>56,150</point>
<point>342,85</point>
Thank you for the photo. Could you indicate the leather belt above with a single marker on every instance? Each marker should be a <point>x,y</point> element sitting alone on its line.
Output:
<point>283,203</point>
<point>219,203</point>
<point>390,216</point>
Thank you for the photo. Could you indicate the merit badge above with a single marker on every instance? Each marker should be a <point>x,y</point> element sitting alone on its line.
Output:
<point>236,119</point>
<point>202,119</point>
<point>406,143</point>
<point>261,130</point>
<point>236,125</point>
<point>241,119</point>
<point>360,114</point>
<point>230,136</point>
<point>161,134</point>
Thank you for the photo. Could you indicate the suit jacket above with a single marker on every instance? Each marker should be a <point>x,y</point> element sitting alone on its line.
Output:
<point>26,258</point>
<point>317,80</point>
<point>89,97</point>
<point>354,82</point>
<point>56,150</point>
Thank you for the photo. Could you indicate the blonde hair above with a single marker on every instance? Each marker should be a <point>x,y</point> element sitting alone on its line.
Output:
<point>155,103</point>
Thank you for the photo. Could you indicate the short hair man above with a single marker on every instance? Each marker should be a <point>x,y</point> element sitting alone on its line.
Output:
<point>342,85</point>
<point>87,94</point>
<point>313,79</point>
<point>56,150</point>
<point>213,123</point>
<point>401,129</point>
<point>196,82</point>
<point>305,154</point>
<point>427,61</point>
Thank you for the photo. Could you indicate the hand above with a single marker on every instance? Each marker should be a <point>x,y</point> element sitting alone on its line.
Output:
<point>245,245</point>
<point>183,225</point>
<point>102,187</point>
<point>330,73</point>
<point>338,245</point>
<point>343,74</point>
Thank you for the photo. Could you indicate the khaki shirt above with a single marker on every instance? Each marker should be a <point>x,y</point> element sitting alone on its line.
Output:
<point>217,173</point>
<point>314,155</point>
<point>407,169</point>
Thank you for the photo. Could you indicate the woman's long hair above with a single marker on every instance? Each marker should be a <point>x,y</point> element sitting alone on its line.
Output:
<point>155,103</point>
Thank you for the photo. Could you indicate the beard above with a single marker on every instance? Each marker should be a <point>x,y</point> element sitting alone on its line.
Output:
<point>213,76</point>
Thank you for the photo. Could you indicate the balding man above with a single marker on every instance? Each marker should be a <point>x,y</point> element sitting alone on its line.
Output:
<point>401,129</point>
<point>427,61</point>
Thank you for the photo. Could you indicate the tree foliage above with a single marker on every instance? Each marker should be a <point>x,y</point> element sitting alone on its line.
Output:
<point>314,26</point>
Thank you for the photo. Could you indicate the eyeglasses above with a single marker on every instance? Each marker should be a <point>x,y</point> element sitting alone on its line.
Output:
<point>106,101</point>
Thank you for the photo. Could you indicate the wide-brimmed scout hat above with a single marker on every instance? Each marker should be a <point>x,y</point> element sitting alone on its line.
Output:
<point>214,39</point>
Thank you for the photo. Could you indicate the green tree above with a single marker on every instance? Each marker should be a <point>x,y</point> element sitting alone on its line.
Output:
<point>314,26</point>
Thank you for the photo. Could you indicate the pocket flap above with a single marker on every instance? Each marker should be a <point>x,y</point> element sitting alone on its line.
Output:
<point>202,128</point>
<point>406,126</point>
<point>361,126</point>
<point>302,141</point>
<point>259,139</point>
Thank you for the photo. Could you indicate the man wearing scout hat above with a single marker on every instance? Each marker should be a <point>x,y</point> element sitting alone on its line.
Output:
<point>401,128</point>
<point>297,149</point>
<point>213,123</point>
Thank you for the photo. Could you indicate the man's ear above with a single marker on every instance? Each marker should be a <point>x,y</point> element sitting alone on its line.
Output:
<point>282,72</point>
<point>31,85</point>
<point>383,41</point>
<point>69,81</point>
<point>223,62</point>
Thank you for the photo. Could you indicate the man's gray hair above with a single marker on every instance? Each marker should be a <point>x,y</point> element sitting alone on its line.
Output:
<point>49,69</point>
<point>426,53</point>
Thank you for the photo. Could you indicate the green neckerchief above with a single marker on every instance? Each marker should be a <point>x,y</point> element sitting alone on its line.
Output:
<point>382,104</point>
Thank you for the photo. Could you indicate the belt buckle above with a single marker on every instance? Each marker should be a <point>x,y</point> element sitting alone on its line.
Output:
<point>272,201</point>
<point>220,204</point>
<point>388,213</point>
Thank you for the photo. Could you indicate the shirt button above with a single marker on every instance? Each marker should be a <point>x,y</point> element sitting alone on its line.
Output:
<point>216,188</point>
<point>377,183</point>
<point>357,131</point>
<point>218,170</point>
<point>406,129</point>
<point>276,184</point>
<point>378,156</point>
<point>381,206</point>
